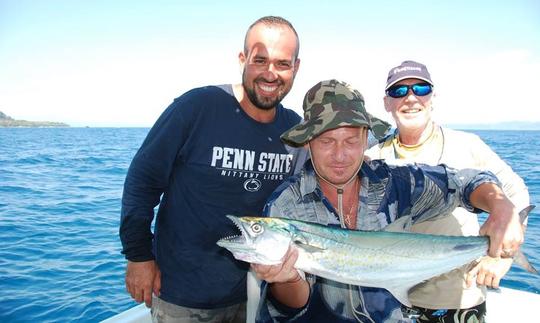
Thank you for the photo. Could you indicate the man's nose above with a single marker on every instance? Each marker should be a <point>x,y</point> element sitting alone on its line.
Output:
<point>410,96</point>
<point>339,152</point>
<point>270,72</point>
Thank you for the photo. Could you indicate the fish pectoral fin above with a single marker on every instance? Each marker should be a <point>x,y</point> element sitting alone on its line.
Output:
<point>300,241</point>
<point>401,294</point>
<point>307,247</point>
<point>402,224</point>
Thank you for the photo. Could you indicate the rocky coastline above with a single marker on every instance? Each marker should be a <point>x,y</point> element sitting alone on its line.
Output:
<point>8,122</point>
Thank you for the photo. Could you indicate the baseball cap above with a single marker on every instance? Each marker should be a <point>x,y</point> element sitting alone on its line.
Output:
<point>407,70</point>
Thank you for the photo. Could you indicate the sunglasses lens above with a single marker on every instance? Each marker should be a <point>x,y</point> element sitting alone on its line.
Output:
<point>421,89</point>
<point>398,91</point>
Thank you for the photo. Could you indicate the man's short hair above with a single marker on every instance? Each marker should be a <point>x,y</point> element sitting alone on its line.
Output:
<point>273,21</point>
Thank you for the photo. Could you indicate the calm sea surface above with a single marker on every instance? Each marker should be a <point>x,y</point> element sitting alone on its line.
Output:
<point>60,193</point>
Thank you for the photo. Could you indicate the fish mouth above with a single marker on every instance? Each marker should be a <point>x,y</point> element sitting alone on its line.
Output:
<point>239,241</point>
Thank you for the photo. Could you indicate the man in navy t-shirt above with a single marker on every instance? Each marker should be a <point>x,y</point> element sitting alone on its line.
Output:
<point>214,151</point>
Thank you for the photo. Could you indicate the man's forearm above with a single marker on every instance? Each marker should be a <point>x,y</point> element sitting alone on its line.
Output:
<point>489,196</point>
<point>136,238</point>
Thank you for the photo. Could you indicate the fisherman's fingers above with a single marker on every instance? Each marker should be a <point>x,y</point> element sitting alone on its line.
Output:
<point>496,281</point>
<point>274,273</point>
<point>485,274</point>
<point>510,244</point>
<point>142,290</point>
<point>480,278</point>
<point>488,281</point>
<point>505,233</point>
<point>488,271</point>
<point>131,286</point>
<point>290,259</point>
<point>136,296</point>
<point>266,272</point>
<point>289,271</point>
<point>472,275</point>
<point>495,234</point>
<point>134,290</point>
<point>157,283</point>
<point>147,297</point>
<point>496,266</point>
<point>495,269</point>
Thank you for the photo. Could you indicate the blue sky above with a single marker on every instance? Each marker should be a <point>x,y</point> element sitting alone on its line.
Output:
<point>121,63</point>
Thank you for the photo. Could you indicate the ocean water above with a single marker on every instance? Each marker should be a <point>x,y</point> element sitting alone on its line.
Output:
<point>60,192</point>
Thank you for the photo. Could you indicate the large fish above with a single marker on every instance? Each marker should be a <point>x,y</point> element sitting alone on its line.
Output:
<point>395,261</point>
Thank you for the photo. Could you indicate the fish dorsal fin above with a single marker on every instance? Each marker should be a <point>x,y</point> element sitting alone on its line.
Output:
<point>402,224</point>
<point>523,214</point>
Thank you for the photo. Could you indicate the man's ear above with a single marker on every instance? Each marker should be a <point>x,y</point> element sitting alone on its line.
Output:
<point>433,100</point>
<point>366,139</point>
<point>242,60</point>
<point>296,66</point>
<point>386,103</point>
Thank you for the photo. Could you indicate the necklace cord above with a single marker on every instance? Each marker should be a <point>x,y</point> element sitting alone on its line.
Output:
<point>339,188</point>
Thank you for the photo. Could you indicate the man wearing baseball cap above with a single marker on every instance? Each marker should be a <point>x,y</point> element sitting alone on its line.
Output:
<point>409,99</point>
<point>337,187</point>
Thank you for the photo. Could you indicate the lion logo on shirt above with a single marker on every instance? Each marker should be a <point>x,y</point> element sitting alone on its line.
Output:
<point>252,185</point>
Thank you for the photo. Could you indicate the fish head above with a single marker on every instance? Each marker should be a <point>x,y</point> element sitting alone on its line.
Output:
<point>262,240</point>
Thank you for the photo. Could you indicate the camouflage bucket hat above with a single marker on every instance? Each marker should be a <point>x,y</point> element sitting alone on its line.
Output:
<point>328,105</point>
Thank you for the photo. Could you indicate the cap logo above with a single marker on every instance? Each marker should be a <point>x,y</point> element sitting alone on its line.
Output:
<point>406,68</point>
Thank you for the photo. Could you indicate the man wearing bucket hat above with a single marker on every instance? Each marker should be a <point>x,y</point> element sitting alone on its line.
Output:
<point>336,187</point>
<point>409,96</point>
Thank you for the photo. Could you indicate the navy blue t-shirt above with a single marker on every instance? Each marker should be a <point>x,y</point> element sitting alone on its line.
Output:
<point>205,158</point>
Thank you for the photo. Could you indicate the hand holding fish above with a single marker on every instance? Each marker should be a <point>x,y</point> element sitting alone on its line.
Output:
<point>280,273</point>
<point>286,283</point>
<point>489,271</point>
<point>505,232</point>
<point>503,225</point>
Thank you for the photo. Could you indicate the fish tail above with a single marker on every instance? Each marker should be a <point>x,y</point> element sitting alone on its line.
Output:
<point>521,259</point>
<point>523,214</point>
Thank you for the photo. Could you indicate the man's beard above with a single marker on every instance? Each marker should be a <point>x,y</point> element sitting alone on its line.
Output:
<point>262,103</point>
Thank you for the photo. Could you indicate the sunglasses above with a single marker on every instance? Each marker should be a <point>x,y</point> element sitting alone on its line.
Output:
<point>399,91</point>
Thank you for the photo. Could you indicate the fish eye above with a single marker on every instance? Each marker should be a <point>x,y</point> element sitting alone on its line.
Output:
<point>256,228</point>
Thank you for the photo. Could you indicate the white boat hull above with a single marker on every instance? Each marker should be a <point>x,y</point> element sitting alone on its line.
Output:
<point>508,305</point>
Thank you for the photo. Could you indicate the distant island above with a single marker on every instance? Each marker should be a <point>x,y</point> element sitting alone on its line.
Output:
<point>8,122</point>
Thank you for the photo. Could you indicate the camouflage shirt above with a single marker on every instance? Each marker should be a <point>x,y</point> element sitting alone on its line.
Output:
<point>387,192</point>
